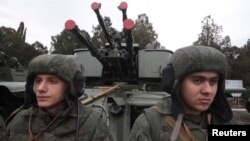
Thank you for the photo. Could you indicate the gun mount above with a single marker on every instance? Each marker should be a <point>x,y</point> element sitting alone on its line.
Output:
<point>121,80</point>
<point>118,58</point>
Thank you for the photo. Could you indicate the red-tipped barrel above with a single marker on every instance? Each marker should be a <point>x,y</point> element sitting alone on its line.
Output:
<point>70,24</point>
<point>128,24</point>
<point>123,6</point>
<point>95,6</point>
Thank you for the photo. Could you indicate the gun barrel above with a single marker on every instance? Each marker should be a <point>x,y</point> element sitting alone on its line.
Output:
<point>123,7</point>
<point>70,25</point>
<point>128,26</point>
<point>96,6</point>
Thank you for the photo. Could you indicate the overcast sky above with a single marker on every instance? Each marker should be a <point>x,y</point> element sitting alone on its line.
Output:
<point>177,22</point>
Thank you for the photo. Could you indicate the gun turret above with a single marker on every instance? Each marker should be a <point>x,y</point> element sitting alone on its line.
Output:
<point>119,57</point>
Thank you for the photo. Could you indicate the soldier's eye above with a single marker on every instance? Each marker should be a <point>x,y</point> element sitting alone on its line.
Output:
<point>196,81</point>
<point>213,82</point>
<point>53,81</point>
<point>37,80</point>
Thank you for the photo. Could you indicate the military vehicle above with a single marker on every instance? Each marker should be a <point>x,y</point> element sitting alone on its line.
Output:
<point>12,84</point>
<point>121,80</point>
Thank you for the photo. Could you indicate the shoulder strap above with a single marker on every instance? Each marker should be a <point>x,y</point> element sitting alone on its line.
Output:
<point>13,114</point>
<point>209,118</point>
<point>184,132</point>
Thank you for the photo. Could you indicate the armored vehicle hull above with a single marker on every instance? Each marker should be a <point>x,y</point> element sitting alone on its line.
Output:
<point>12,87</point>
<point>121,102</point>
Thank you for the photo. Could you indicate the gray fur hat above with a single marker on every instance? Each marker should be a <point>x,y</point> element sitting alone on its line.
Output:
<point>194,59</point>
<point>61,66</point>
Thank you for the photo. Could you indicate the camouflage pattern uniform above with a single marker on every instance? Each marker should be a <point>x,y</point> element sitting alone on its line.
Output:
<point>151,125</point>
<point>83,124</point>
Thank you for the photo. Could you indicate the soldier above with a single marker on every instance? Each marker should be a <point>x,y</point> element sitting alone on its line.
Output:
<point>52,110</point>
<point>2,126</point>
<point>194,76</point>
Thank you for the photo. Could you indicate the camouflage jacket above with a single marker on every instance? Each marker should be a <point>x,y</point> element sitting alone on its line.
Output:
<point>152,126</point>
<point>91,126</point>
<point>2,129</point>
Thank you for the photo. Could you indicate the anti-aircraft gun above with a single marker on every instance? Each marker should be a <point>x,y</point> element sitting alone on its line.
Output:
<point>12,84</point>
<point>121,79</point>
<point>118,58</point>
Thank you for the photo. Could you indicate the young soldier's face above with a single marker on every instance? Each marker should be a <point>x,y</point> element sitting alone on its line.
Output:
<point>198,91</point>
<point>49,91</point>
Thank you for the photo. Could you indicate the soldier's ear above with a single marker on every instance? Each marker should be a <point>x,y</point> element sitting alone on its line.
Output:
<point>30,96</point>
<point>79,84</point>
<point>168,78</point>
